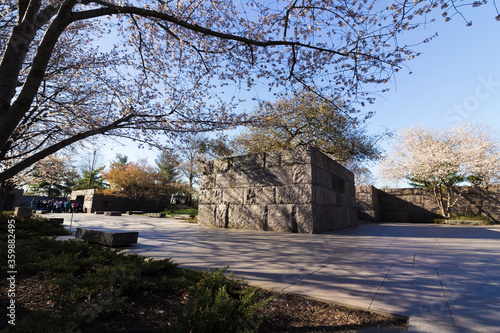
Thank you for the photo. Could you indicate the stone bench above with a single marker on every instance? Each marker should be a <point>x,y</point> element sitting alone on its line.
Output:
<point>182,216</point>
<point>135,212</point>
<point>23,212</point>
<point>113,213</point>
<point>155,215</point>
<point>113,239</point>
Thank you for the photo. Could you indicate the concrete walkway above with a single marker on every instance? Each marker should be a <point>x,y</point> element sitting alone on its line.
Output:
<point>445,278</point>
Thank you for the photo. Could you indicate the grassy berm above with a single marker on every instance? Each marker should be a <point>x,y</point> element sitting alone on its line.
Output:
<point>72,286</point>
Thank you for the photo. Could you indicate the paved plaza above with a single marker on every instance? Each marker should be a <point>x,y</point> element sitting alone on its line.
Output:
<point>444,278</point>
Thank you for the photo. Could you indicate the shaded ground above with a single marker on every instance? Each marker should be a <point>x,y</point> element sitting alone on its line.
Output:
<point>150,312</point>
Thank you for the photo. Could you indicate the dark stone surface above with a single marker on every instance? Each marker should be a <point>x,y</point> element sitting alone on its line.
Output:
<point>23,212</point>
<point>298,190</point>
<point>113,239</point>
<point>158,215</point>
<point>113,213</point>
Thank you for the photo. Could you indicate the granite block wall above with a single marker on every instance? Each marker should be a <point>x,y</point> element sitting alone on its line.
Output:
<point>419,204</point>
<point>299,190</point>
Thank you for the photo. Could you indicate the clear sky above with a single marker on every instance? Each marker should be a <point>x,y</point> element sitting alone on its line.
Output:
<point>455,79</point>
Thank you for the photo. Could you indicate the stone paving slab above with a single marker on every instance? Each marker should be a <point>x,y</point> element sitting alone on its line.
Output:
<point>445,278</point>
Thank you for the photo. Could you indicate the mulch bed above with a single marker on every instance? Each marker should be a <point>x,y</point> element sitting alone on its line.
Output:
<point>149,312</point>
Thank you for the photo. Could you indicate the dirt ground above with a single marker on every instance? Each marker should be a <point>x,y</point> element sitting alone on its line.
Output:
<point>149,312</point>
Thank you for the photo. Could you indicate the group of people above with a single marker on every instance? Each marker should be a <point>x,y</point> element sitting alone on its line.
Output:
<point>54,206</point>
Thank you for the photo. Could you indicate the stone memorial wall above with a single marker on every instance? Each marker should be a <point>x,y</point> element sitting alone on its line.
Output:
<point>419,204</point>
<point>300,190</point>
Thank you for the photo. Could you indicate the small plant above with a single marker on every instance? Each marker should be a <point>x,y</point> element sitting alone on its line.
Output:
<point>186,211</point>
<point>29,227</point>
<point>471,217</point>
<point>192,219</point>
<point>219,304</point>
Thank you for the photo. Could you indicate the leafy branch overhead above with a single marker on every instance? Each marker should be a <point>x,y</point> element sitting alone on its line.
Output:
<point>73,69</point>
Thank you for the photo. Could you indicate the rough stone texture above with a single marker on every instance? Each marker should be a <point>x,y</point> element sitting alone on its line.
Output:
<point>113,213</point>
<point>92,200</point>
<point>419,205</point>
<point>158,215</point>
<point>182,216</point>
<point>135,212</point>
<point>114,239</point>
<point>299,190</point>
<point>367,203</point>
<point>23,212</point>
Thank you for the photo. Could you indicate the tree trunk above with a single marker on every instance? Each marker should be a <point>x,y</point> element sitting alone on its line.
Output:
<point>438,195</point>
<point>14,57</point>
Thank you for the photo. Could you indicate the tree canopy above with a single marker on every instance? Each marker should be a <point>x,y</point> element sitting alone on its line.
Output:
<point>52,176</point>
<point>308,119</point>
<point>135,180</point>
<point>72,69</point>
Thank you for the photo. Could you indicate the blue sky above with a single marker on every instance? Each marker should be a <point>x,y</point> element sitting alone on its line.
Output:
<point>455,79</point>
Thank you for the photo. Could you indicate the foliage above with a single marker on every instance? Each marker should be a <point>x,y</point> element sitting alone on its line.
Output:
<point>169,185</point>
<point>31,227</point>
<point>219,304</point>
<point>168,164</point>
<point>191,156</point>
<point>172,62</point>
<point>220,147</point>
<point>307,119</point>
<point>92,179</point>
<point>471,217</point>
<point>441,160</point>
<point>136,180</point>
<point>91,282</point>
<point>312,120</point>
<point>52,176</point>
<point>120,160</point>
<point>184,211</point>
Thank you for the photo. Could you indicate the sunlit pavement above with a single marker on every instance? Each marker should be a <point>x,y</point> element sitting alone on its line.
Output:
<point>444,278</point>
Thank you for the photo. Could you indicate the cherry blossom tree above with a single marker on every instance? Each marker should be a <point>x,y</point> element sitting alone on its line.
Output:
<point>74,69</point>
<point>52,176</point>
<point>443,159</point>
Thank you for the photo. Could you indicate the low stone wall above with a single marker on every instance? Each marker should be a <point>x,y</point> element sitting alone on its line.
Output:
<point>93,201</point>
<point>367,203</point>
<point>300,190</point>
<point>419,204</point>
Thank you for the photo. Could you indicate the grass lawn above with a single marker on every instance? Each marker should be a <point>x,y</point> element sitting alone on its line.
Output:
<point>186,211</point>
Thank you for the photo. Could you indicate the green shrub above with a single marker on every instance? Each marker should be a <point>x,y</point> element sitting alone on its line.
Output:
<point>91,282</point>
<point>470,217</point>
<point>219,304</point>
<point>29,227</point>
